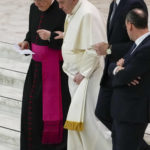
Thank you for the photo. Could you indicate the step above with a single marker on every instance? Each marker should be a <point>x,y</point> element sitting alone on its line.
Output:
<point>7,51</point>
<point>10,120</point>
<point>5,146</point>
<point>11,92</point>
<point>10,137</point>
<point>10,103</point>
<point>12,78</point>
<point>10,112</point>
<point>9,130</point>
<point>13,65</point>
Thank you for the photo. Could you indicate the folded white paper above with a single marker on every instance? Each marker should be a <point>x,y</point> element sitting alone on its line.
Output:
<point>22,52</point>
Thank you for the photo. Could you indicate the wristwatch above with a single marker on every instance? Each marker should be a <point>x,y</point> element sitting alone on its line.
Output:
<point>108,51</point>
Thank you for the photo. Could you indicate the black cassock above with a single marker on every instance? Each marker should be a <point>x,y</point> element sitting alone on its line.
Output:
<point>31,118</point>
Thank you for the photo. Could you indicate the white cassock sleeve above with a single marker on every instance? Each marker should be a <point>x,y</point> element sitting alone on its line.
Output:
<point>93,26</point>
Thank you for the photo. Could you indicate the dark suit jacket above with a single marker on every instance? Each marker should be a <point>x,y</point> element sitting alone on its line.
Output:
<point>132,103</point>
<point>118,34</point>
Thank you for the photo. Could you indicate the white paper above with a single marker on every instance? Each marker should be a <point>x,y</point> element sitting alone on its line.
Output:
<point>22,52</point>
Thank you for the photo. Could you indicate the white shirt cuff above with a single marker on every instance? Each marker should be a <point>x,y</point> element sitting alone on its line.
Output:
<point>115,70</point>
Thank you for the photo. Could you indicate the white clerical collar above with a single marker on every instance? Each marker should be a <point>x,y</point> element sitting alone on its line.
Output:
<point>140,39</point>
<point>76,7</point>
<point>117,1</point>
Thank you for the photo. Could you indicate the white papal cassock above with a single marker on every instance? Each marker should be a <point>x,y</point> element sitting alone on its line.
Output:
<point>84,27</point>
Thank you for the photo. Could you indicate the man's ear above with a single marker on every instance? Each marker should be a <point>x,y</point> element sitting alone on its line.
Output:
<point>131,26</point>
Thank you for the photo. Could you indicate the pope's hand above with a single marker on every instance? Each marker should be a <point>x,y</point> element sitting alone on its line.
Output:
<point>120,62</point>
<point>78,78</point>
<point>101,48</point>
<point>60,35</point>
<point>24,45</point>
<point>44,34</point>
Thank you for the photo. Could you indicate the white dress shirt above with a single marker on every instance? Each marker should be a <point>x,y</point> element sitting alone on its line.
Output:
<point>117,1</point>
<point>140,39</point>
<point>137,42</point>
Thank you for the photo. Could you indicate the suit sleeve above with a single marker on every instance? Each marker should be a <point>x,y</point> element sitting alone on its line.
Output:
<point>120,49</point>
<point>139,65</point>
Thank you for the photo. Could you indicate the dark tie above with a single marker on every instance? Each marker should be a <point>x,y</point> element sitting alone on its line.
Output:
<point>112,14</point>
<point>129,53</point>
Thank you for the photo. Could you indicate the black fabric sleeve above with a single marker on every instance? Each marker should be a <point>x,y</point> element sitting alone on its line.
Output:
<point>56,44</point>
<point>137,67</point>
<point>53,43</point>
<point>28,35</point>
<point>119,50</point>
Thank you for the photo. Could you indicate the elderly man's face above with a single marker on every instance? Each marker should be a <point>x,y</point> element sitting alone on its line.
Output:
<point>43,5</point>
<point>67,5</point>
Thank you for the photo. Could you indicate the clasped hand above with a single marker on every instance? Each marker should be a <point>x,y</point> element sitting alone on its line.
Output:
<point>44,34</point>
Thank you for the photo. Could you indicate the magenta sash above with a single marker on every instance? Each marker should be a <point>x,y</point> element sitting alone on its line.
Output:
<point>51,94</point>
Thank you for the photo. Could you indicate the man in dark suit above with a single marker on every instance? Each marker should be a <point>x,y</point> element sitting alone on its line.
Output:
<point>130,106</point>
<point>116,34</point>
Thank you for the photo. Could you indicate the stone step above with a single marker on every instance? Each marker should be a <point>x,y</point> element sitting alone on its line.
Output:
<point>10,111</point>
<point>12,61</point>
<point>7,51</point>
<point>10,137</point>
<point>12,78</point>
<point>10,108</point>
<point>5,146</point>
<point>11,92</point>
<point>10,120</point>
<point>9,104</point>
<point>13,65</point>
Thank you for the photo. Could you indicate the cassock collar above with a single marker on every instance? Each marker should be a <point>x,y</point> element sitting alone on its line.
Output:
<point>76,7</point>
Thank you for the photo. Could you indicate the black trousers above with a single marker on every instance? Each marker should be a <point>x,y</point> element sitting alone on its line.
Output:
<point>103,108</point>
<point>128,136</point>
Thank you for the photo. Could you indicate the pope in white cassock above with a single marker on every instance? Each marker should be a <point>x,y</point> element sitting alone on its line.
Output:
<point>84,27</point>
